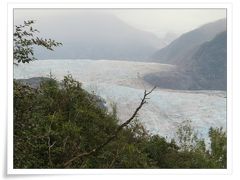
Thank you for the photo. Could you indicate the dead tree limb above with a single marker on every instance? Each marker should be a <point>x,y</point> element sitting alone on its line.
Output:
<point>112,137</point>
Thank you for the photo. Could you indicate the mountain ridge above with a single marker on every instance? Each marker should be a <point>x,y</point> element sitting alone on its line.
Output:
<point>204,69</point>
<point>187,42</point>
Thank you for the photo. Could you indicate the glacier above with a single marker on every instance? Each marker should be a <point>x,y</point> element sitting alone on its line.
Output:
<point>121,82</point>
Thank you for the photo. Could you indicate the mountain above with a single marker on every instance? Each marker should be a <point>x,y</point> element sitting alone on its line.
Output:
<point>96,36</point>
<point>204,69</point>
<point>208,66</point>
<point>33,82</point>
<point>187,44</point>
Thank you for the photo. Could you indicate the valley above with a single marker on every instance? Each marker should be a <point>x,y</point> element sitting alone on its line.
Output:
<point>122,82</point>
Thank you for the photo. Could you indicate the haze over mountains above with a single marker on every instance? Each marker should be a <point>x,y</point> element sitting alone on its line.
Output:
<point>205,69</point>
<point>200,59</point>
<point>98,36</point>
<point>197,60</point>
<point>183,46</point>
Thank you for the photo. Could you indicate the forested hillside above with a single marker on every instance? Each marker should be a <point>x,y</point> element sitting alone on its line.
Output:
<point>60,125</point>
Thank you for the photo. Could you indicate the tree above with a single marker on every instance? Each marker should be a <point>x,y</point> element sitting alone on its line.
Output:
<point>161,151</point>
<point>115,134</point>
<point>218,146</point>
<point>186,137</point>
<point>24,40</point>
<point>60,125</point>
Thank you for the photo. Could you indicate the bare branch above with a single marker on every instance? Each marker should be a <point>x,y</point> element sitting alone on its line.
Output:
<point>98,148</point>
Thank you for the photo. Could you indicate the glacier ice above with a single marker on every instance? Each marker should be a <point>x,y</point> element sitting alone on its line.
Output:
<point>121,82</point>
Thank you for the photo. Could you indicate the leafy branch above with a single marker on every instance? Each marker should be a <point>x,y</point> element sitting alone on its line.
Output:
<point>23,41</point>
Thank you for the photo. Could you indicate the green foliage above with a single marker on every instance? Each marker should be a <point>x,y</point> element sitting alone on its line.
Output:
<point>161,151</point>
<point>57,121</point>
<point>24,40</point>
<point>187,138</point>
<point>218,146</point>
<point>193,150</point>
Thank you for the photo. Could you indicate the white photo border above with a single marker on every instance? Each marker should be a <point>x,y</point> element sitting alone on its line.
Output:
<point>228,171</point>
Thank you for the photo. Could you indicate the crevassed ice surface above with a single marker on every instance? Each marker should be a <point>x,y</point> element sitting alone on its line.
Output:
<point>121,82</point>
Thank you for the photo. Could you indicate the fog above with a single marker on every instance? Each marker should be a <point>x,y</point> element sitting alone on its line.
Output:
<point>157,21</point>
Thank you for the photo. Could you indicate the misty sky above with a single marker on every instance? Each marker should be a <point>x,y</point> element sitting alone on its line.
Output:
<point>157,21</point>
